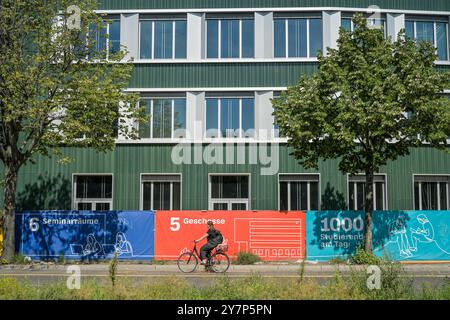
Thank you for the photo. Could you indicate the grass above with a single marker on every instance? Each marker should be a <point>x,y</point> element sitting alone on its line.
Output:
<point>251,288</point>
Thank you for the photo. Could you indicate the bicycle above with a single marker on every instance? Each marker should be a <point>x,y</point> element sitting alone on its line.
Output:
<point>218,261</point>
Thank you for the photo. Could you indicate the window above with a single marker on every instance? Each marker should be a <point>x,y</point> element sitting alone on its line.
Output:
<point>298,192</point>
<point>297,37</point>
<point>229,192</point>
<point>92,192</point>
<point>163,39</point>
<point>107,36</point>
<point>230,38</point>
<point>356,192</point>
<point>230,117</point>
<point>348,25</point>
<point>431,192</point>
<point>161,192</point>
<point>432,31</point>
<point>167,118</point>
<point>276,128</point>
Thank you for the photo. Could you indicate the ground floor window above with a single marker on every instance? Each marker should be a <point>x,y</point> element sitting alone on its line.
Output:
<point>298,192</point>
<point>431,192</point>
<point>161,192</point>
<point>356,192</point>
<point>92,192</point>
<point>229,192</point>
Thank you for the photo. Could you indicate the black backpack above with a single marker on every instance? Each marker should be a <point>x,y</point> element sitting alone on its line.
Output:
<point>219,237</point>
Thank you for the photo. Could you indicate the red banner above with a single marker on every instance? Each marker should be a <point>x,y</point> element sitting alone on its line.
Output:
<point>272,235</point>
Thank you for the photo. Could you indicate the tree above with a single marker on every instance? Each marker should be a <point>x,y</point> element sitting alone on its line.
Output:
<point>60,85</point>
<point>370,102</point>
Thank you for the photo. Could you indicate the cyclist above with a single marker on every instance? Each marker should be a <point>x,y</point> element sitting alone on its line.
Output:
<point>214,238</point>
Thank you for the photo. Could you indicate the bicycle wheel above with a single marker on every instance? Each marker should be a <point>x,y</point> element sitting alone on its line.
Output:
<point>220,262</point>
<point>187,262</point>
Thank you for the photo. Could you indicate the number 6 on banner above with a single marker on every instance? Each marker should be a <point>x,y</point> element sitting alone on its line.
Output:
<point>175,223</point>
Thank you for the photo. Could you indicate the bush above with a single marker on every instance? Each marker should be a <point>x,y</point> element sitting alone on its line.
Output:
<point>362,257</point>
<point>21,259</point>
<point>245,257</point>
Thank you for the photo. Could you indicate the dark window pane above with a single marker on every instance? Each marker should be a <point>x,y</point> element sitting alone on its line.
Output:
<point>425,31</point>
<point>179,119</point>
<point>303,196</point>
<point>212,117</point>
<point>248,117</point>
<point>248,38</point>
<point>314,196</point>
<point>162,119</point>
<point>416,196</point>
<point>443,194</point>
<point>220,206</point>
<point>102,206</point>
<point>180,39</point>
<point>409,29</point>
<point>229,117</point>
<point>429,196</point>
<point>229,187</point>
<point>163,39</point>
<point>89,187</point>
<point>114,36</point>
<point>238,206</point>
<point>315,36</point>
<point>161,196</point>
<point>295,196</point>
<point>176,196</point>
<point>84,206</point>
<point>146,40</point>
<point>351,196</point>
<point>360,196</point>
<point>144,129</point>
<point>280,38</point>
<point>284,196</point>
<point>147,196</point>
<point>213,38</point>
<point>297,38</point>
<point>230,38</point>
<point>379,203</point>
<point>346,24</point>
<point>442,47</point>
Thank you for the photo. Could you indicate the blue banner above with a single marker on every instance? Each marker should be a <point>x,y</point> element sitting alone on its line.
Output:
<point>399,235</point>
<point>84,235</point>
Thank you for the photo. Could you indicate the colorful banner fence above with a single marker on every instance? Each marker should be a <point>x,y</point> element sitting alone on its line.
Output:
<point>86,235</point>
<point>400,235</point>
<point>270,234</point>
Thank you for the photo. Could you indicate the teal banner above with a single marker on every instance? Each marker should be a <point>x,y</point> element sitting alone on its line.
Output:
<point>400,235</point>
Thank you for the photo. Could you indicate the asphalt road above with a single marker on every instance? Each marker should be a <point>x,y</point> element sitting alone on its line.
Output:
<point>37,274</point>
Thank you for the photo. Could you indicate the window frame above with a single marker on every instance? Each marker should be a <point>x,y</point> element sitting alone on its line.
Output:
<point>352,25</point>
<point>152,49</point>
<point>93,201</point>
<point>435,22</point>
<point>219,38</point>
<point>431,175</point>
<point>219,118</point>
<point>211,200</point>
<point>319,191</point>
<point>385,198</point>
<point>141,188</point>
<point>286,37</point>
<point>172,121</point>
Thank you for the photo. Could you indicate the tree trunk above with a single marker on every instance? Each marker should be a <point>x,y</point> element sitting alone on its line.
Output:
<point>9,218</point>
<point>368,211</point>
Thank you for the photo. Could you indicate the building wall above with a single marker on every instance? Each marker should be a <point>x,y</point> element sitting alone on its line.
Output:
<point>48,185</point>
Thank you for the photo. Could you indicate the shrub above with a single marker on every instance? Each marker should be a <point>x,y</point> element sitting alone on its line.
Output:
<point>113,269</point>
<point>362,257</point>
<point>245,257</point>
<point>21,259</point>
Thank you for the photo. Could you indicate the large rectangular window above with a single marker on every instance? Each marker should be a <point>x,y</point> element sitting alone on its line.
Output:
<point>230,38</point>
<point>105,39</point>
<point>167,118</point>
<point>298,192</point>
<point>161,192</point>
<point>92,192</point>
<point>431,192</point>
<point>163,38</point>
<point>348,25</point>
<point>229,192</point>
<point>229,117</point>
<point>356,192</point>
<point>435,32</point>
<point>297,37</point>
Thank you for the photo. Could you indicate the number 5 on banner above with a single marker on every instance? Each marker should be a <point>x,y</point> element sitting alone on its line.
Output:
<point>175,223</point>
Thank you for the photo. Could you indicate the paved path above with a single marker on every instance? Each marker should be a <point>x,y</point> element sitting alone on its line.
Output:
<point>45,273</point>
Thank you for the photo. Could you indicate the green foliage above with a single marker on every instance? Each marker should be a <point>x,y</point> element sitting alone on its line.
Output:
<point>381,94</point>
<point>245,257</point>
<point>61,259</point>
<point>20,259</point>
<point>113,269</point>
<point>365,258</point>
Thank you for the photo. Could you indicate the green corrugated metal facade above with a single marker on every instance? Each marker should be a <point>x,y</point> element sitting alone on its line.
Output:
<point>433,5</point>
<point>48,185</point>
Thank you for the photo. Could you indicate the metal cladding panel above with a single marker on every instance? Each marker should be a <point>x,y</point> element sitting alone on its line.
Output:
<point>47,185</point>
<point>435,5</point>
<point>206,75</point>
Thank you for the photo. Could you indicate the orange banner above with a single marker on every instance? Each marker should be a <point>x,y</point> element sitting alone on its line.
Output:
<point>272,235</point>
